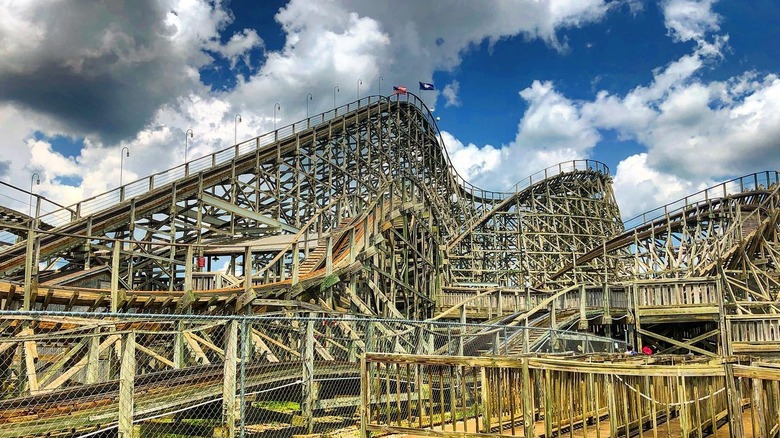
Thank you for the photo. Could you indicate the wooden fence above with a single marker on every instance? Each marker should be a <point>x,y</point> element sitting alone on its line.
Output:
<point>532,397</point>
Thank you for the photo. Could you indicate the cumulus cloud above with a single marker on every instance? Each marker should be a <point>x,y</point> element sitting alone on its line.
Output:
<point>77,70</point>
<point>471,162</point>
<point>551,131</point>
<point>450,93</point>
<point>105,68</point>
<point>696,132</point>
<point>690,19</point>
<point>640,188</point>
<point>238,47</point>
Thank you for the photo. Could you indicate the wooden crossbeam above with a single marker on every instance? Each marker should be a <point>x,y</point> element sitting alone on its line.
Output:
<point>676,342</point>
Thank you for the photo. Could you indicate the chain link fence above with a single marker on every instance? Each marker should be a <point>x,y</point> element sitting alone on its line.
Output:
<point>90,374</point>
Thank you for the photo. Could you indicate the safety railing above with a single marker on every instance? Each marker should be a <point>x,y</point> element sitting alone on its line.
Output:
<point>755,181</point>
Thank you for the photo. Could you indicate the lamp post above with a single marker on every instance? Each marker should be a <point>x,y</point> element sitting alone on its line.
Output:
<point>359,83</point>
<point>125,152</point>
<point>236,121</point>
<point>308,98</point>
<point>187,137</point>
<point>276,107</point>
<point>335,90</point>
<point>37,180</point>
<point>380,85</point>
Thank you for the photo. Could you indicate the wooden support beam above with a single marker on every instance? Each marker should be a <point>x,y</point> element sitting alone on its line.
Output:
<point>229,408</point>
<point>178,346</point>
<point>307,388</point>
<point>156,355</point>
<point>263,347</point>
<point>195,348</point>
<point>188,268</point>
<point>115,277</point>
<point>127,387</point>
<point>676,342</point>
<point>29,265</point>
<point>93,361</point>
<point>30,359</point>
<point>238,211</point>
<point>78,366</point>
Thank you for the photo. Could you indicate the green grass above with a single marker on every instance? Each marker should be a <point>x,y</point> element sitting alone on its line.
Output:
<point>278,406</point>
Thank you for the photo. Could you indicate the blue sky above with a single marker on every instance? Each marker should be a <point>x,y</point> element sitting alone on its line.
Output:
<point>673,95</point>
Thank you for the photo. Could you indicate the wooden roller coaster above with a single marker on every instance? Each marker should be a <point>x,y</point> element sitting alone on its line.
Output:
<point>359,211</point>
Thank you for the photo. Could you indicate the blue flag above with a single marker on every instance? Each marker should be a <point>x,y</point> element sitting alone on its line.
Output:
<point>426,86</point>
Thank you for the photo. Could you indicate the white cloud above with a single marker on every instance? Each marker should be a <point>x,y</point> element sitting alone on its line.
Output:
<point>551,131</point>
<point>696,132</point>
<point>471,162</point>
<point>690,19</point>
<point>238,46</point>
<point>335,43</point>
<point>640,188</point>
<point>450,93</point>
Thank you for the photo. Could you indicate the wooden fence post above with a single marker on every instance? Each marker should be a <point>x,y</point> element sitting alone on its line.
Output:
<point>308,391</point>
<point>526,390</point>
<point>127,387</point>
<point>734,398</point>
<point>229,382</point>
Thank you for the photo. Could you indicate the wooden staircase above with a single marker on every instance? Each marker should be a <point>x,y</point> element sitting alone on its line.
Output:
<point>317,256</point>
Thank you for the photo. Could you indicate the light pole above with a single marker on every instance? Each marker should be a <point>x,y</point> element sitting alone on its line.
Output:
<point>359,83</point>
<point>380,85</point>
<point>125,152</point>
<point>308,98</point>
<point>236,121</point>
<point>276,107</point>
<point>186,142</point>
<point>335,90</point>
<point>37,180</point>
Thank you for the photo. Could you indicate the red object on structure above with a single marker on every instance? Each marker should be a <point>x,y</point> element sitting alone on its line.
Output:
<point>201,262</point>
<point>647,350</point>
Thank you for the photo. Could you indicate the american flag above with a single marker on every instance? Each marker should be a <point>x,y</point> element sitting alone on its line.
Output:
<point>399,89</point>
